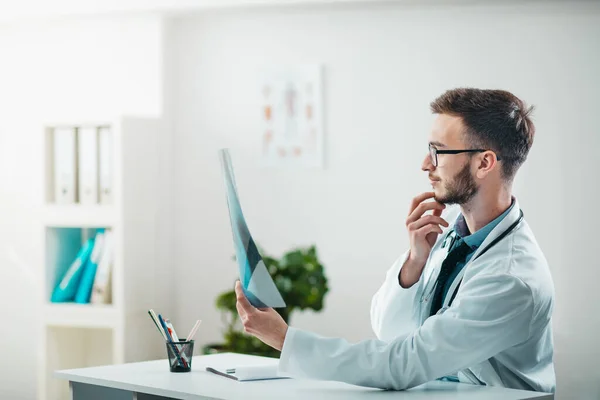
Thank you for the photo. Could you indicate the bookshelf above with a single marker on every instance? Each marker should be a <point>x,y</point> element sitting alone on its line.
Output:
<point>76,335</point>
<point>78,215</point>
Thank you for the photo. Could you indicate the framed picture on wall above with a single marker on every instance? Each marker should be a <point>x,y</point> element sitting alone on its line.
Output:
<point>292,116</point>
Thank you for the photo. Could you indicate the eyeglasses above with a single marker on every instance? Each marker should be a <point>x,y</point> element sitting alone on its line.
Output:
<point>433,153</point>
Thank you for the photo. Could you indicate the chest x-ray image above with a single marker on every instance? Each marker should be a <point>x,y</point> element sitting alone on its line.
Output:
<point>258,285</point>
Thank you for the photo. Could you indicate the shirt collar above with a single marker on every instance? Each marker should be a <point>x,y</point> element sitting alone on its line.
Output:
<point>476,239</point>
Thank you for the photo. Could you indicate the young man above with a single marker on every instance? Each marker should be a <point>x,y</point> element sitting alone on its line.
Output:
<point>472,298</point>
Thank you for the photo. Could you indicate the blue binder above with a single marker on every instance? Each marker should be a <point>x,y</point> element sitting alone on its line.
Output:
<point>84,291</point>
<point>67,288</point>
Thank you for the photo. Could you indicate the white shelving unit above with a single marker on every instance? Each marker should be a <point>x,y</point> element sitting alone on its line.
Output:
<point>81,335</point>
<point>79,215</point>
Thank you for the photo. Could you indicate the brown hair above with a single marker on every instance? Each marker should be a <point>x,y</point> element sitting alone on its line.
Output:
<point>495,119</point>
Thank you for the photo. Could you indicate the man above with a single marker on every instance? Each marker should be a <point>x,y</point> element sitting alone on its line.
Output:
<point>472,299</point>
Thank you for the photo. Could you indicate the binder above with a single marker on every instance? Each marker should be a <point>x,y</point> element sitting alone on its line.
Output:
<point>87,141</point>
<point>106,159</point>
<point>245,368</point>
<point>64,166</point>
<point>84,291</point>
<point>101,289</point>
<point>67,288</point>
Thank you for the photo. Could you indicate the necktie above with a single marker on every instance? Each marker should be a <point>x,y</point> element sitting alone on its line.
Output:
<point>456,255</point>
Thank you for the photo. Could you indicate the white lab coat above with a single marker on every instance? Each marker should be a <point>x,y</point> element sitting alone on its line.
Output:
<point>498,330</point>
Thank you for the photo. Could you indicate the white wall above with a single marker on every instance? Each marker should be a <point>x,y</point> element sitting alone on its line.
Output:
<point>41,9</point>
<point>383,66</point>
<point>90,68</point>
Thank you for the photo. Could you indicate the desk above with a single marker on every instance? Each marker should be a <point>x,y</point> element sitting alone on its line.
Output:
<point>152,380</point>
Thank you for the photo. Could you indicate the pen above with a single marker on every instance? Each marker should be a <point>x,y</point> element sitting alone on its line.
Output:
<point>192,333</point>
<point>165,329</point>
<point>171,330</point>
<point>170,340</point>
<point>175,338</point>
<point>153,317</point>
<point>162,332</point>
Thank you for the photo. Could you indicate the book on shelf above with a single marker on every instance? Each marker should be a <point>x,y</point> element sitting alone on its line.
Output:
<point>67,288</point>
<point>87,141</point>
<point>65,165</point>
<point>88,279</point>
<point>84,291</point>
<point>101,289</point>
<point>105,164</point>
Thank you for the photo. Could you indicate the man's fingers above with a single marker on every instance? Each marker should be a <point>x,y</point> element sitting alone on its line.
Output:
<point>240,310</point>
<point>426,220</point>
<point>428,229</point>
<point>419,199</point>
<point>242,300</point>
<point>422,209</point>
<point>437,212</point>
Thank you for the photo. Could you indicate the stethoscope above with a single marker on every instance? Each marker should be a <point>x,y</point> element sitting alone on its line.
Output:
<point>451,238</point>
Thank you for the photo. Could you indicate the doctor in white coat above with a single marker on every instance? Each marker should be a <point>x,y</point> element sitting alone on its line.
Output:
<point>472,299</point>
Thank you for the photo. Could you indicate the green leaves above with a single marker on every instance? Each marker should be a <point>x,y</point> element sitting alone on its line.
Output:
<point>299,277</point>
<point>226,301</point>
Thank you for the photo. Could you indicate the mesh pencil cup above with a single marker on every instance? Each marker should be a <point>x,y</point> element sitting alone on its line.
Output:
<point>180,355</point>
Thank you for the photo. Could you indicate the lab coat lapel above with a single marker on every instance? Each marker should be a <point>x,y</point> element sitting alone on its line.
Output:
<point>434,262</point>
<point>510,218</point>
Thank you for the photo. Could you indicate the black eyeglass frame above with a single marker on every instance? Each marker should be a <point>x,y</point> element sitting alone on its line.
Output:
<point>433,154</point>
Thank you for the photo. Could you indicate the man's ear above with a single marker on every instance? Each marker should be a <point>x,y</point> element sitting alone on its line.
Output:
<point>487,162</point>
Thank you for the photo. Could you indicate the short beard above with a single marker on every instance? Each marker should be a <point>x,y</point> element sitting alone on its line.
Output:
<point>461,189</point>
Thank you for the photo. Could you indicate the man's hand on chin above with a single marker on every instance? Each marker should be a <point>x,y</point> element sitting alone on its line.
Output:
<point>264,323</point>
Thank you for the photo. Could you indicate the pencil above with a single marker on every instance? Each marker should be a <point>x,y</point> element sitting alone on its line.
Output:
<point>193,331</point>
<point>150,313</point>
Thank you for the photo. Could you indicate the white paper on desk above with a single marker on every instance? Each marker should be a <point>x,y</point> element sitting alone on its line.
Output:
<point>250,372</point>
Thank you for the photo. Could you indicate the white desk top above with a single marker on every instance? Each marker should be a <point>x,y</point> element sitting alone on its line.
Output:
<point>154,377</point>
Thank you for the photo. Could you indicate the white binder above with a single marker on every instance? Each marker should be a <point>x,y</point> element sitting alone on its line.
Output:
<point>64,166</point>
<point>106,165</point>
<point>87,141</point>
<point>101,292</point>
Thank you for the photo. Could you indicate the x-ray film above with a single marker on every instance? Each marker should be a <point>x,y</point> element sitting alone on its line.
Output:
<point>256,281</point>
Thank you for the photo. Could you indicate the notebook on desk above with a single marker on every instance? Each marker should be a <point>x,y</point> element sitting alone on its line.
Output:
<point>245,368</point>
<point>249,372</point>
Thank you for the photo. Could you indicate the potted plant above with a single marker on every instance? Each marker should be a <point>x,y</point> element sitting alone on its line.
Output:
<point>300,279</point>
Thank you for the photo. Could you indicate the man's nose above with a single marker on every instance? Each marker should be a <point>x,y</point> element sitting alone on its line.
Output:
<point>427,165</point>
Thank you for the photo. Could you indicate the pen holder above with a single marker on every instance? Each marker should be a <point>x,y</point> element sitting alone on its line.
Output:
<point>180,355</point>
